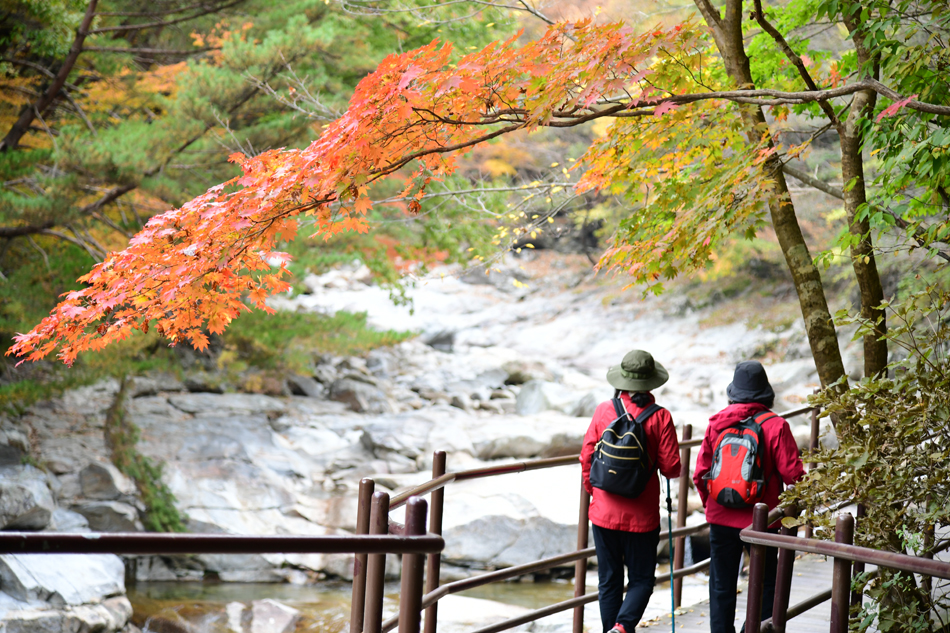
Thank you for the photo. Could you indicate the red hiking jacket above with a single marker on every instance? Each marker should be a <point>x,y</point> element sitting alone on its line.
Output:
<point>621,513</point>
<point>781,462</point>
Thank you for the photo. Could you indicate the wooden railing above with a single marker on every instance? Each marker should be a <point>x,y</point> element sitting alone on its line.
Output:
<point>373,518</point>
<point>844,553</point>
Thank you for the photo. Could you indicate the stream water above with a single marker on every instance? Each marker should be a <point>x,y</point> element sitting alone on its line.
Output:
<point>325,607</point>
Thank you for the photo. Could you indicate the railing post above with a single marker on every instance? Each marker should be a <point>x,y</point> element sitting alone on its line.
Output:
<point>358,602</point>
<point>857,597</point>
<point>376,566</point>
<point>841,577</point>
<point>753,612</point>
<point>783,579</point>
<point>410,598</point>
<point>679,550</point>
<point>812,446</point>
<point>434,563</point>
<point>580,567</point>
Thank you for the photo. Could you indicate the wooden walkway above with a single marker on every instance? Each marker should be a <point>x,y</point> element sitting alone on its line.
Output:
<point>812,575</point>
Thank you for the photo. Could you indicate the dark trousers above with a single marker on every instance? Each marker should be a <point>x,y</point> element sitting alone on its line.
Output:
<point>725,555</point>
<point>636,551</point>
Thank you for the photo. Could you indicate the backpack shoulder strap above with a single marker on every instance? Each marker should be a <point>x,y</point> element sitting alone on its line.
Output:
<point>646,413</point>
<point>758,417</point>
<point>622,412</point>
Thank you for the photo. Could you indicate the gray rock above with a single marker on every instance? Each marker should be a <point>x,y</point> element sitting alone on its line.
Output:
<point>586,406</point>
<point>64,520</point>
<point>62,579</point>
<point>142,386</point>
<point>361,397</point>
<point>443,340</point>
<point>111,616</point>
<point>202,382</point>
<point>110,516</point>
<point>10,455</point>
<point>532,398</point>
<point>306,386</point>
<point>14,444</point>
<point>325,374</point>
<point>270,616</point>
<point>152,569</point>
<point>104,481</point>
<point>26,502</point>
<point>463,402</point>
<point>216,404</point>
<point>520,372</point>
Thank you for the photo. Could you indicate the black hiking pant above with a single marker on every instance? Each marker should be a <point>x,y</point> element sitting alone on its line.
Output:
<point>637,552</point>
<point>725,556</point>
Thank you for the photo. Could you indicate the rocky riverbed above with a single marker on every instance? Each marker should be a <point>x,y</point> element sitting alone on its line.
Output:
<point>497,372</point>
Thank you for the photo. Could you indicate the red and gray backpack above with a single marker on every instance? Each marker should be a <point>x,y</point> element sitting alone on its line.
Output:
<point>737,476</point>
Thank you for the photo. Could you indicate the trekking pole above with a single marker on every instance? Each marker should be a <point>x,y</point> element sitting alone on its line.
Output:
<point>669,522</point>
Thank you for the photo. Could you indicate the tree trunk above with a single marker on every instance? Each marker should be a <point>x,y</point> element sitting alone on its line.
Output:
<point>822,337</point>
<point>33,110</point>
<point>855,197</point>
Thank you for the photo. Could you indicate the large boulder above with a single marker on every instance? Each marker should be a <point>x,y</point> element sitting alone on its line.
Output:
<point>513,519</point>
<point>104,481</point>
<point>361,397</point>
<point>109,616</point>
<point>270,616</point>
<point>26,502</point>
<point>61,579</point>
<point>110,516</point>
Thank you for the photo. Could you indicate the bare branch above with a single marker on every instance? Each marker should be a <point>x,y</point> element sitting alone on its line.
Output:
<point>153,14</point>
<point>759,15</point>
<point>149,25</point>
<point>918,234</point>
<point>149,51</point>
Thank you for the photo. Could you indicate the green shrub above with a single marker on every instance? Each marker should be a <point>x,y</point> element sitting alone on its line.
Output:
<point>289,340</point>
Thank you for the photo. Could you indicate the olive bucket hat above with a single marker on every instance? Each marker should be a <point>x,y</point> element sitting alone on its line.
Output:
<point>637,372</point>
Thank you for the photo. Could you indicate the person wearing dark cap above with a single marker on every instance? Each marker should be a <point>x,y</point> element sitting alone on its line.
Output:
<point>750,396</point>
<point>626,529</point>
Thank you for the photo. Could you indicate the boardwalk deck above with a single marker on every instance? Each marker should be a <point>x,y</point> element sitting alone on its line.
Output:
<point>812,575</point>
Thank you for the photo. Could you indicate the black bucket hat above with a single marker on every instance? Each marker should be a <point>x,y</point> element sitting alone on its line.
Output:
<point>749,383</point>
<point>637,372</point>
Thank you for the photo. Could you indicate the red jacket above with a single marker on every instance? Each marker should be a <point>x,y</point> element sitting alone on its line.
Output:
<point>781,462</point>
<point>621,513</point>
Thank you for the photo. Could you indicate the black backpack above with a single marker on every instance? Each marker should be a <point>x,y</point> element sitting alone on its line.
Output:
<point>620,464</point>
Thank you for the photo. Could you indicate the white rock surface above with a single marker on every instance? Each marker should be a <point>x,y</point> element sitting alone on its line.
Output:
<point>270,616</point>
<point>26,502</point>
<point>62,579</point>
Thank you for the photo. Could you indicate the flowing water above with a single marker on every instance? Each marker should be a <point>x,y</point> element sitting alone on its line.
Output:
<point>325,607</point>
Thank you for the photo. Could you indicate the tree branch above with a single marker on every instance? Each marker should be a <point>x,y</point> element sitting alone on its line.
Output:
<point>12,139</point>
<point>149,25</point>
<point>918,234</point>
<point>148,51</point>
<point>759,15</point>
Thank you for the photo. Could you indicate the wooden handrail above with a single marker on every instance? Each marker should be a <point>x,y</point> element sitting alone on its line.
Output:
<point>160,544</point>
<point>853,553</point>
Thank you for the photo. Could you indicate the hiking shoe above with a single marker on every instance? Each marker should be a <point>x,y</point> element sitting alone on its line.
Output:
<point>618,628</point>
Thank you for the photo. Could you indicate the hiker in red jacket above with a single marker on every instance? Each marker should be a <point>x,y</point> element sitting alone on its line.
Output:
<point>626,530</point>
<point>750,394</point>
